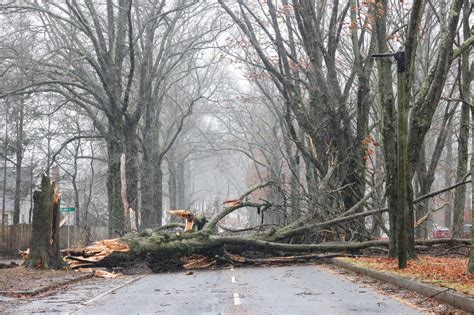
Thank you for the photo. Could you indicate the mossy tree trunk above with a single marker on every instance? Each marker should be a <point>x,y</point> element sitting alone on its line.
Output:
<point>471,255</point>
<point>463,138</point>
<point>468,76</point>
<point>389,135</point>
<point>165,252</point>
<point>44,244</point>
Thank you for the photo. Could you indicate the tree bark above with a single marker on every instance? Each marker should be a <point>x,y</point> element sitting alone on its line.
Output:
<point>471,254</point>
<point>20,113</point>
<point>389,135</point>
<point>463,138</point>
<point>181,183</point>
<point>172,180</point>
<point>448,181</point>
<point>460,192</point>
<point>44,244</point>
<point>164,252</point>
<point>5,160</point>
<point>132,169</point>
<point>115,150</point>
<point>157,216</point>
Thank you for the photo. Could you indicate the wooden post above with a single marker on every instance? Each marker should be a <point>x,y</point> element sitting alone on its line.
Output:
<point>402,160</point>
<point>403,175</point>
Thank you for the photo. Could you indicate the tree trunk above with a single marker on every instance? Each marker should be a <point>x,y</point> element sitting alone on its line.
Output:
<point>389,136</point>
<point>151,187</point>
<point>467,77</point>
<point>460,192</point>
<point>157,216</point>
<point>421,209</point>
<point>471,255</point>
<point>172,180</point>
<point>77,213</point>
<point>19,161</point>
<point>44,244</point>
<point>463,139</point>
<point>181,183</point>
<point>5,160</point>
<point>146,184</point>
<point>115,150</point>
<point>448,182</point>
<point>378,226</point>
<point>165,252</point>
<point>132,169</point>
<point>405,215</point>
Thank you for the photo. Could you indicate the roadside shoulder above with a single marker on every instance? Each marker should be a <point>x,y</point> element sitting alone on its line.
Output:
<point>444,295</point>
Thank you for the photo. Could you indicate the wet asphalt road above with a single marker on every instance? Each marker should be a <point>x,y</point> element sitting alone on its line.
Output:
<point>305,289</point>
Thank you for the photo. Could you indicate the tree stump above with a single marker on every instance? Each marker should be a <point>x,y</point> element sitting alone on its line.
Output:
<point>44,243</point>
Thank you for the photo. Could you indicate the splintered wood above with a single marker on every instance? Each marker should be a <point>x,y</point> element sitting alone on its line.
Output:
<point>186,215</point>
<point>88,256</point>
<point>232,202</point>
<point>198,262</point>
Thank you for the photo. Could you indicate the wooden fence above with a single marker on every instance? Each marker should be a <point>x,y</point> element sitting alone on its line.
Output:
<point>17,237</point>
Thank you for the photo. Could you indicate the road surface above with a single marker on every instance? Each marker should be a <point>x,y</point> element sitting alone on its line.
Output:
<point>307,289</point>
<point>300,289</point>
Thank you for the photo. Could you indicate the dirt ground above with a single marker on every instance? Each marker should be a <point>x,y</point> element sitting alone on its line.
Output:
<point>14,279</point>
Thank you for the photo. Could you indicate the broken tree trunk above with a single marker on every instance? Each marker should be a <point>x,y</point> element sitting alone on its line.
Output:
<point>44,243</point>
<point>165,251</point>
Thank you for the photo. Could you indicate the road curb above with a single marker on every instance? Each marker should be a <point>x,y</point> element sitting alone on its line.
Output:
<point>444,295</point>
<point>47,288</point>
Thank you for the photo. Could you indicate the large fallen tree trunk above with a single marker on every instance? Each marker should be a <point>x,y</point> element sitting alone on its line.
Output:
<point>162,252</point>
<point>201,247</point>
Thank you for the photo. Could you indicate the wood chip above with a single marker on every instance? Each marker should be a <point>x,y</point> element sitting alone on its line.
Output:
<point>106,274</point>
<point>199,263</point>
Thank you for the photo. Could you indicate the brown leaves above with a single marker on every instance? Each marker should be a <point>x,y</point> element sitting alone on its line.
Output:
<point>448,272</point>
<point>369,143</point>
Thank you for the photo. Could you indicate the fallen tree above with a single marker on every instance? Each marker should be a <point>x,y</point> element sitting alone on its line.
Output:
<point>201,247</point>
<point>164,252</point>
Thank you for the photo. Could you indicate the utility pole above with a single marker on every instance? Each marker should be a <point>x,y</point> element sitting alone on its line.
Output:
<point>402,156</point>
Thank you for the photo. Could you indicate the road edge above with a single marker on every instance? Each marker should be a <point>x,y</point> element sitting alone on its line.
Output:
<point>48,287</point>
<point>444,295</point>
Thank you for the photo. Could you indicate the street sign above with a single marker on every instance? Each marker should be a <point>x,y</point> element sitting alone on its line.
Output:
<point>71,209</point>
